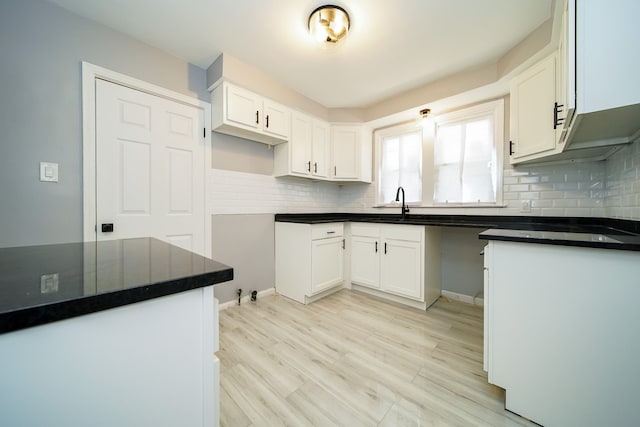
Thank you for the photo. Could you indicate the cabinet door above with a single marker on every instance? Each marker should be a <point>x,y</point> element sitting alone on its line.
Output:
<point>533,94</point>
<point>243,107</point>
<point>301,135</point>
<point>320,150</point>
<point>365,261</point>
<point>345,149</point>
<point>276,119</point>
<point>400,268</point>
<point>326,263</point>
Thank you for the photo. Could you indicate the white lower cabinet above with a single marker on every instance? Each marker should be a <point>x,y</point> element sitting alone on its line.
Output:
<point>562,334</point>
<point>309,259</point>
<point>326,263</point>
<point>397,260</point>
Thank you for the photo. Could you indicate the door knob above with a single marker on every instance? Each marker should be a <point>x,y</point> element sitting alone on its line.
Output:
<point>107,228</point>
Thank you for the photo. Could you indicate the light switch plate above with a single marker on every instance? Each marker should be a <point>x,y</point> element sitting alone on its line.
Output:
<point>48,172</point>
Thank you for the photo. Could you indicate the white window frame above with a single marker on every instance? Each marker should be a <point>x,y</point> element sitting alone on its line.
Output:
<point>495,108</point>
<point>396,131</point>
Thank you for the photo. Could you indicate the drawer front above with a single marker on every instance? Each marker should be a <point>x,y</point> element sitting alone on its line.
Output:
<point>365,230</point>
<point>324,231</point>
<point>410,233</point>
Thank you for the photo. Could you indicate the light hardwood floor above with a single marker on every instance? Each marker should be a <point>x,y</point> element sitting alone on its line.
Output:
<point>352,360</point>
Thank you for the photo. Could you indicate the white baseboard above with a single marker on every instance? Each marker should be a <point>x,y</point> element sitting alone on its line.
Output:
<point>463,298</point>
<point>246,298</point>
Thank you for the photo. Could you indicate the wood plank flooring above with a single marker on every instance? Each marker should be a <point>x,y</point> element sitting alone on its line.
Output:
<point>353,360</point>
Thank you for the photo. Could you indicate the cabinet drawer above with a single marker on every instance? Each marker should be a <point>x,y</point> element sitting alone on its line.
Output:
<point>365,230</point>
<point>403,232</point>
<point>324,231</point>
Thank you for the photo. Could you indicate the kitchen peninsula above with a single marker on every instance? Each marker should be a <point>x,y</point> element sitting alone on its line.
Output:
<point>119,332</point>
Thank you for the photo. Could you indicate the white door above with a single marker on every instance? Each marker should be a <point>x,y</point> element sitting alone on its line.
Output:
<point>345,141</point>
<point>326,263</point>
<point>365,261</point>
<point>243,107</point>
<point>400,268</point>
<point>276,119</point>
<point>150,167</point>
<point>300,144</point>
<point>321,139</point>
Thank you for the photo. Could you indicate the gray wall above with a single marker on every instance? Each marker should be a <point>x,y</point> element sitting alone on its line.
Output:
<point>245,242</point>
<point>462,265</point>
<point>42,47</point>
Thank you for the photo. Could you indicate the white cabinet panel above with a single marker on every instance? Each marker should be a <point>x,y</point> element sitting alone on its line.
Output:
<point>275,119</point>
<point>309,259</point>
<point>345,149</point>
<point>401,260</point>
<point>533,94</point>
<point>326,265</point>
<point>401,268</point>
<point>563,337</point>
<point>240,112</point>
<point>243,107</point>
<point>365,260</point>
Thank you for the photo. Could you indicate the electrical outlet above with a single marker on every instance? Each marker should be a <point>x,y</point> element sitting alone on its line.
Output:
<point>525,206</point>
<point>49,283</point>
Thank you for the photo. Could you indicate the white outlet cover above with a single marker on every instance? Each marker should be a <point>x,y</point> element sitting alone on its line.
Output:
<point>48,172</point>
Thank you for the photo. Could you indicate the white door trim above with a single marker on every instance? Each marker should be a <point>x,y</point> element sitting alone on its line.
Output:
<point>92,72</point>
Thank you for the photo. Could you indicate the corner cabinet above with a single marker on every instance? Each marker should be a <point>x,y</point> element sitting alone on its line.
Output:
<point>239,112</point>
<point>399,262</point>
<point>309,260</point>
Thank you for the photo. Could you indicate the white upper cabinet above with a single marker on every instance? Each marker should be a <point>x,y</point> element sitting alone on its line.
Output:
<point>307,152</point>
<point>322,151</point>
<point>602,70</point>
<point>275,119</point>
<point>583,101</point>
<point>533,94</point>
<point>240,112</point>
<point>350,153</point>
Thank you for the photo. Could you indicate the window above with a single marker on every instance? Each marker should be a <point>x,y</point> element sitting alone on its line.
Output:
<point>400,153</point>
<point>464,160</point>
<point>460,153</point>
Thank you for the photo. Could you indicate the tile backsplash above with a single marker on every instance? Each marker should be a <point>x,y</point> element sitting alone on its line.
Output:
<point>608,188</point>
<point>623,183</point>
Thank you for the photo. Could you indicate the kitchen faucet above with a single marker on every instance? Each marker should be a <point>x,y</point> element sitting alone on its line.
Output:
<point>405,208</point>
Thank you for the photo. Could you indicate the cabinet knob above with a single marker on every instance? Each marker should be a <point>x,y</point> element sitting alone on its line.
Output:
<point>376,246</point>
<point>257,116</point>
<point>309,166</point>
<point>267,120</point>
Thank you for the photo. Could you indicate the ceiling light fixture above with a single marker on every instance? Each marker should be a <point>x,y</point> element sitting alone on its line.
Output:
<point>329,24</point>
<point>425,113</point>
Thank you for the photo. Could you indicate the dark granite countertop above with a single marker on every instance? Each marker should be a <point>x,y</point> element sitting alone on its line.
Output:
<point>568,231</point>
<point>42,284</point>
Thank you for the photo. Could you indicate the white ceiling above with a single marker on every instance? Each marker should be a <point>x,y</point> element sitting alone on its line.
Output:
<point>393,45</point>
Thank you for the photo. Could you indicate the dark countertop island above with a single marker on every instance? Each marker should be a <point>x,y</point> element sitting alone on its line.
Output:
<point>43,284</point>
<point>604,233</point>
